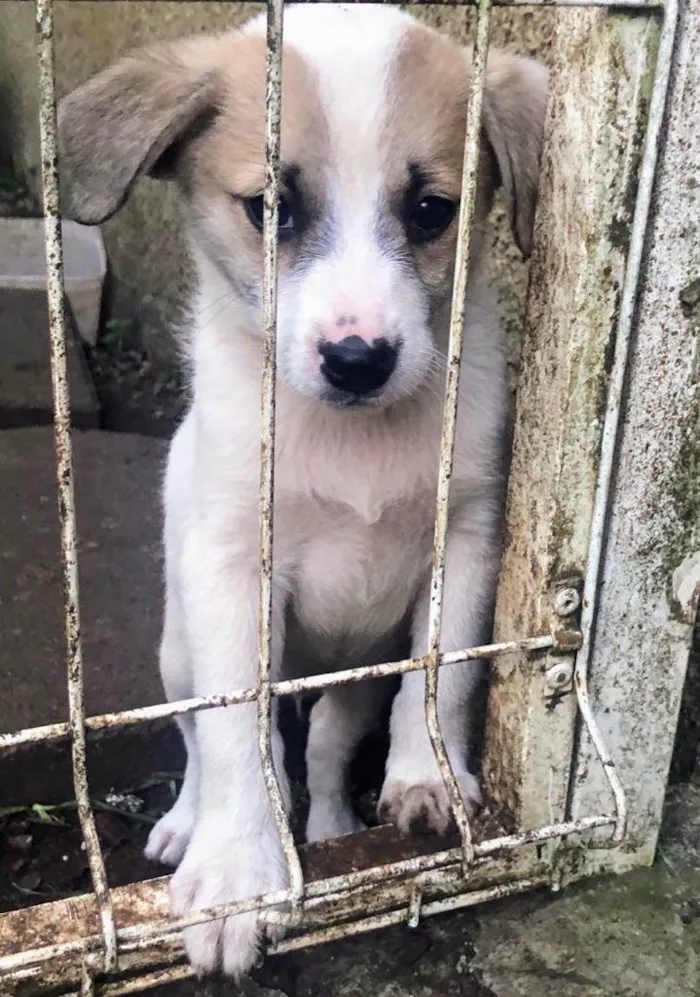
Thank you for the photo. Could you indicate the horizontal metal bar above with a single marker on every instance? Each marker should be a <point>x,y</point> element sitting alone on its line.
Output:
<point>289,687</point>
<point>183,971</point>
<point>638,4</point>
<point>134,937</point>
<point>400,916</point>
<point>363,878</point>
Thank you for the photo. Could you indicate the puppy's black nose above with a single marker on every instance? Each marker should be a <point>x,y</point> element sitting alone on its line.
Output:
<point>356,366</point>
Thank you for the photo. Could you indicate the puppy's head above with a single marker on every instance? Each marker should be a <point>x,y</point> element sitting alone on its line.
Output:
<point>373,120</point>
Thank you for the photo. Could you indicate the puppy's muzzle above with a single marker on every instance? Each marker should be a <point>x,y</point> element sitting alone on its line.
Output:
<point>357,367</point>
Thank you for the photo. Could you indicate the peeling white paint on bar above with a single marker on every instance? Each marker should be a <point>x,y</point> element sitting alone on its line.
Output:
<point>449,421</point>
<point>148,901</point>
<point>64,472</point>
<point>288,687</point>
<point>273,110</point>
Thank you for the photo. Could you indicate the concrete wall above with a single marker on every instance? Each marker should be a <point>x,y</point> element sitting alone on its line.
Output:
<point>149,269</point>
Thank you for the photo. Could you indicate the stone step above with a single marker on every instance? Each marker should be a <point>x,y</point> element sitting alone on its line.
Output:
<point>25,365</point>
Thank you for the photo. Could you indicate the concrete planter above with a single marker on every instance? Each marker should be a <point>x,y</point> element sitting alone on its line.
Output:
<point>23,266</point>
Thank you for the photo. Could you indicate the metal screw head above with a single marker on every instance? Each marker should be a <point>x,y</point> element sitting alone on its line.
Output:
<point>559,676</point>
<point>566,602</point>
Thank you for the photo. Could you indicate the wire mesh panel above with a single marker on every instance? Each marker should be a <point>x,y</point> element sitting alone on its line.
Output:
<point>543,657</point>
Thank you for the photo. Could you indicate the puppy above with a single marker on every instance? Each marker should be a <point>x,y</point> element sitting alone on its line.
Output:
<point>373,125</point>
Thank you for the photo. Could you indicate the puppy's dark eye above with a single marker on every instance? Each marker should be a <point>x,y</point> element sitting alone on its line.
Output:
<point>254,210</point>
<point>428,218</point>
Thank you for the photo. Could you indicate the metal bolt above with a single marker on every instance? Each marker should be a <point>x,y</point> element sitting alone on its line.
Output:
<point>559,676</point>
<point>566,602</point>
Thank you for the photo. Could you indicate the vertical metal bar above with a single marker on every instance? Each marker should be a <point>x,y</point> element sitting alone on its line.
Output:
<point>87,983</point>
<point>449,419</point>
<point>610,437</point>
<point>273,99</point>
<point>64,467</point>
<point>414,906</point>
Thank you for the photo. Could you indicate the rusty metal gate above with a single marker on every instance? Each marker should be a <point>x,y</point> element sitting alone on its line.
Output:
<point>600,575</point>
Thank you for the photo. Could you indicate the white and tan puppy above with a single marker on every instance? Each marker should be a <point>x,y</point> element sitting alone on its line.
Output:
<point>372,140</point>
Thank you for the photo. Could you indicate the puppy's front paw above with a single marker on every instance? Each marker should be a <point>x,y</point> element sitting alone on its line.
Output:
<point>424,807</point>
<point>170,837</point>
<point>219,868</point>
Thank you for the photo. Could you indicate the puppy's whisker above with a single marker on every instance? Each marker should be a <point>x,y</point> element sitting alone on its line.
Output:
<point>210,321</point>
<point>228,295</point>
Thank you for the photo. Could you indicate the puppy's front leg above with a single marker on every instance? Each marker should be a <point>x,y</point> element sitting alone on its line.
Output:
<point>413,796</point>
<point>235,852</point>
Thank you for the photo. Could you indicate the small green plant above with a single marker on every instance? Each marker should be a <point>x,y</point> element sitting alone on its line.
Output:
<point>115,334</point>
<point>120,803</point>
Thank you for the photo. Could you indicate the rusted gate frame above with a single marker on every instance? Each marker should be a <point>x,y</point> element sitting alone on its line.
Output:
<point>102,949</point>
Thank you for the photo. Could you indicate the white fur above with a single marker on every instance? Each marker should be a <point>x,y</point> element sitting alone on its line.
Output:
<point>351,50</point>
<point>354,508</point>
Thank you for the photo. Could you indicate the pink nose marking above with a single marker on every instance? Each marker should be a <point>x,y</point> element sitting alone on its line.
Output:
<point>349,323</point>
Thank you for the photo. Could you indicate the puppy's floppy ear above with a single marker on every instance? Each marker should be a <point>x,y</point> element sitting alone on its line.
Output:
<point>121,123</point>
<point>515,100</point>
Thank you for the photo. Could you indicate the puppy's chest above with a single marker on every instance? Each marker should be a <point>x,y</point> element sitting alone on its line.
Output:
<point>355,512</point>
<point>352,577</point>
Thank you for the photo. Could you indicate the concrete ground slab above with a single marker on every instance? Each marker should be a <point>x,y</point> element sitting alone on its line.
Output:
<point>633,936</point>
<point>118,510</point>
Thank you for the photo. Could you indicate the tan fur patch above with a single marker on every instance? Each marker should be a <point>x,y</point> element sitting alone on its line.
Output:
<point>428,96</point>
<point>116,126</point>
<point>426,126</point>
<point>515,102</point>
<point>233,150</point>
<point>194,108</point>
<point>226,163</point>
